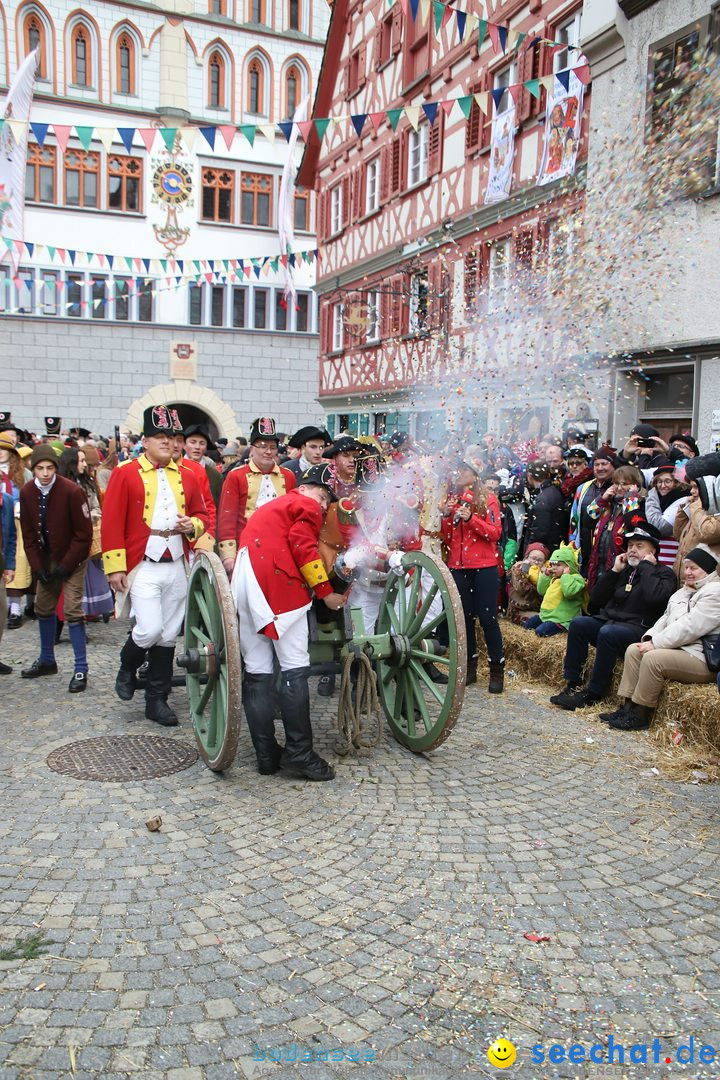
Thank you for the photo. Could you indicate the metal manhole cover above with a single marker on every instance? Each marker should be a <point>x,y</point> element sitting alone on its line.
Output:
<point>122,757</point>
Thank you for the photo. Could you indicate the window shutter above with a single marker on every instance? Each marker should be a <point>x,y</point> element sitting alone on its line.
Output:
<point>437,299</point>
<point>362,58</point>
<point>486,120</point>
<point>346,199</point>
<point>396,306</point>
<point>377,47</point>
<point>396,33</point>
<point>525,73</point>
<point>542,65</point>
<point>396,163</point>
<point>472,126</point>
<point>385,171</point>
<point>435,145</point>
<point>320,218</point>
<point>359,188</point>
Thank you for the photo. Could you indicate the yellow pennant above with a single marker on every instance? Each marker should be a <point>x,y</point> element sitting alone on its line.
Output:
<point>18,128</point>
<point>424,11</point>
<point>482,99</point>
<point>548,81</point>
<point>413,114</point>
<point>105,135</point>
<point>268,131</point>
<point>189,137</point>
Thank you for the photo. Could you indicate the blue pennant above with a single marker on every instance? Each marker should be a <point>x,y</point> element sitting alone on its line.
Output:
<point>502,36</point>
<point>127,135</point>
<point>40,132</point>
<point>72,255</point>
<point>146,264</point>
<point>358,121</point>
<point>430,111</point>
<point>414,9</point>
<point>30,248</point>
<point>563,77</point>
<point>181,264</point>
<point>292,260</point>
<point>286,128</point>
<point>461,17</point>
<point>497,94</point>
<point>209,133</point>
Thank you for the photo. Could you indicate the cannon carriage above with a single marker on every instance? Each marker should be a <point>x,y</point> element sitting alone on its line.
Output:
<point>418,600</point>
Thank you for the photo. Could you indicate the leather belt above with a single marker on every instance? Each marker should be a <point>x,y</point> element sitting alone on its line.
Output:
<point>163,558</point>
<point>165,533</point>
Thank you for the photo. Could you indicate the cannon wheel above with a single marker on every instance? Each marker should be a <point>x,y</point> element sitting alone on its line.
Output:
<point>213,681</point>
<point>421,713</point>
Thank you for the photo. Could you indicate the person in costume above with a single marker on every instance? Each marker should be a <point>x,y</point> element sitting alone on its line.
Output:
<point>153,512</point>
<point>311,442</point>
<point>250,486</point>
<point>278,572</point>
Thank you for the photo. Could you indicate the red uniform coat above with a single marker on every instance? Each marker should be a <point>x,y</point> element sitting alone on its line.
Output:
<point>282,542</point>
<point>68,524</point>
<point>473,544</point>
<point>128,510</point>
<point>239,499</point>
<point>199,470</point>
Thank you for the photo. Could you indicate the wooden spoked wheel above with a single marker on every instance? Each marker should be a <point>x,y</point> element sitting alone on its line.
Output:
<point>421,713</point>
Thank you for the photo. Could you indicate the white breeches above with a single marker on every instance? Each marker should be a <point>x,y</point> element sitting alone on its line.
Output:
<point>157,595</point>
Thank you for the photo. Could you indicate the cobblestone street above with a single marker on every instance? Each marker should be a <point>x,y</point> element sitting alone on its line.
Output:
<point>380,917</point>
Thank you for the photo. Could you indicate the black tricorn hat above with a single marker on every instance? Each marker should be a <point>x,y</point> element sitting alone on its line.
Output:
<point>319,475</point>
<point>305,434</point>
<point>198,429</point>
<point>638,527</point>
<point>344,445</point>
<point>157,421</point>
<point>5,420</point>
<point>263,428</point>
<point>53,425</point>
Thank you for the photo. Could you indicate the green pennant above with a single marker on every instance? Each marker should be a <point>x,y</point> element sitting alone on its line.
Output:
<point>163,264</point>
<point>226,264</point>
<point>51,253</point>
<point>274,263</point>
<point>196,264</point>
<point>248,131</point>
<point>85,135</point>
<point>465,104</point>
<point>533,87</point>
<point>393,116</point>
<point>439,10</point>
<point>321,127</point>
<point>520,38</point>
<point>168,136</point>
<point>482,31</point>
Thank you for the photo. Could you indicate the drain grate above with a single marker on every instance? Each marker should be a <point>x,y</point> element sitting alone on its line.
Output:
<point>116,758</point>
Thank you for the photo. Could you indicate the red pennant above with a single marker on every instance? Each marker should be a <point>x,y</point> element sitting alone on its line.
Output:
<point>306,127</point>
<point>19,244</point>
<point>493,32</point>
<point>248,270</point>
<point>515,91</point>
<point>62,253</point>
<point>583,73</point>
<point>284,260</point>
<point>447,106</point>
<point>228,133</point>
<point>148,137</point>
<point>447,15</point>
<point>376,119</point>
<point>208,278</point>
<point>62,134</point>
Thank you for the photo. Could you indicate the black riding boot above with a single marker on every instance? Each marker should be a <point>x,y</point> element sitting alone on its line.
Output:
<point>497,677</point>
<point>158,685</point>
<point>131,657</point>
<point>258,698</point>
<point>298,757</point>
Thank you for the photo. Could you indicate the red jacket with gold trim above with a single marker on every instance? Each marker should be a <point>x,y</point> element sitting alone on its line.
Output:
<point>128,510</point>
<point>239,500</point>
<point>198,470</point>
<point>282,542</point>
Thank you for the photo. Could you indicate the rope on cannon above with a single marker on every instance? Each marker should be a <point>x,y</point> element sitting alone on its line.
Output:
<point>358,721</point>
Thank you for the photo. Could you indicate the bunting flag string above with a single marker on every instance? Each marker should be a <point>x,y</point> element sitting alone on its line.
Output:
<point>228,132</point>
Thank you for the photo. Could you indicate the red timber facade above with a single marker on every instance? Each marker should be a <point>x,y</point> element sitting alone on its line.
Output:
<point>408,245</point>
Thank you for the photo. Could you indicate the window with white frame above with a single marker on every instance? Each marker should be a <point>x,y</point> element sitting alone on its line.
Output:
<point>418,302</point>
<point>372,185</point>
<point>499,270</point>
<point>337,328</point>
<point>418,155</point>
<point>504,78</point>
<point>373,316</point>
<point>568,33</point>
<point>336,209</point>
<point>302,312</point>
<point>5,285</point>
<point>26,290</point>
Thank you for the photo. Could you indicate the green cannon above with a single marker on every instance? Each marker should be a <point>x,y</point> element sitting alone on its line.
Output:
<point>421,713</point>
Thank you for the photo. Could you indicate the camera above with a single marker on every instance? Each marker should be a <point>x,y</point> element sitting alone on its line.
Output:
<point>647,443</point>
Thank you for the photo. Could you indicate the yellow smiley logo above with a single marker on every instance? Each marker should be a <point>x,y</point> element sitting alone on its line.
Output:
<point>501,1053</point>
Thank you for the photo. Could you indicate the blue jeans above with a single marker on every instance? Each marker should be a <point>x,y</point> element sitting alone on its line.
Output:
<point>542,628</point>
<point>610,641</point>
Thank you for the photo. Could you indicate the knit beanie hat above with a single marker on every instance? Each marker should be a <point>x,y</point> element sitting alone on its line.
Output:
<point>43,452</point>
<point>703,557</point>
<point>537,547</point>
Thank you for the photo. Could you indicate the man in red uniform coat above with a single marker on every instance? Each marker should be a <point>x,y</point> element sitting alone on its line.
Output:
<point>278,571</point>
<point>249,487</point>
<point>57,530</point>
<point>152,512</point>
<point>207,541</point>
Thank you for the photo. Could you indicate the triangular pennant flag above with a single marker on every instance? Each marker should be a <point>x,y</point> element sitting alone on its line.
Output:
<point>62,134</point>
<point>51,253</point>
<point>30,249</point>
<point>148,137</point>
<point>461,19</point>
<point>248,130</point>
<point>414,9</point>
<point>482,31</point>
<point>511,39</point>
<point>393,116</point>
<point>482,100</point>
<point>106,136</point>
<point>85,135</point>
<point>209,135</point>
<point>111,260</point>
<point>19,130</point>
<point>583,73</point>
<point>563,77</point>
<point>126,137</point>
<point>306,127</point>
<point>358,122</point>
<point>62,253</point>
<point>146,264</point>
<point>321,127</point>
<point>40,132</point>
<point>268,131</point>
<point>497,95</point>
<point>439,11</point>
<point>376,119</point>
<point>502,36</point>
<point>284,261</point>
<point>520,38</point>
<point>465,104</point>
<point>447,106</point>
<point>228,133</point>
<point>413,114</point>
<point>470,25</point>
<point>548,82</point>
<point>493,32</point>
<point>430,111</point>
<point>189,137</point>
<point>515,91</point>
<point>424,11</point>
<point>72,255</point>
<point>530,41</point>
<point>168,137</point>
<point>533,87</point>
<point>286,127</point>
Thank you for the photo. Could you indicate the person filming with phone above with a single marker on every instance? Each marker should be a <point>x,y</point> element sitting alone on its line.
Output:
<point>645,450</point>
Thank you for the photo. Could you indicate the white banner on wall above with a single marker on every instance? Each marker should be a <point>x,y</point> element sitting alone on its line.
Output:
<point>562,130</point>
<point>502,155</point>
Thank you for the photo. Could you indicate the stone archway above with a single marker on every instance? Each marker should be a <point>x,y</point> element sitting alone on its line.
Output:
<point>188,393</point>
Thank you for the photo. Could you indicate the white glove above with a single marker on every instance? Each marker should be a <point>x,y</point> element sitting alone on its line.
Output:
<point>395,563</point>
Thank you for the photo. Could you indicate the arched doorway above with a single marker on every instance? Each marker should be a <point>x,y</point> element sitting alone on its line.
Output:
<point>193,414</point>
<point>188,398</point>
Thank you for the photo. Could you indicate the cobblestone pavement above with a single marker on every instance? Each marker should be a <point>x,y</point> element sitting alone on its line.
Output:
<point>382,915</point>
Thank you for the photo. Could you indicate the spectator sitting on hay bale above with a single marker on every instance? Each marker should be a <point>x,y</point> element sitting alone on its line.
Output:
<point>524,598</point>
<point>676,647</point>
<point>562,588</point>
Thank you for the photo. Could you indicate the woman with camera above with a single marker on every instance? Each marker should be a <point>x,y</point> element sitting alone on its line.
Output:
<point>471,528</point>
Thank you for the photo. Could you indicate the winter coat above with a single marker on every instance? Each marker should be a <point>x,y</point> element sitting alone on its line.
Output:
<point>68,525</point>
<point>608,536</point>
<point>689,616</point>
<point>661,511</point>
<point>694,526</point>
<point>705,465</point>
<point>472,544</point>
<point>582,526</point>
<point>652,585</point>
<point>563,596</point>
<point>547,518</point>
<point>523,598</point>
<point>8,533</point>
